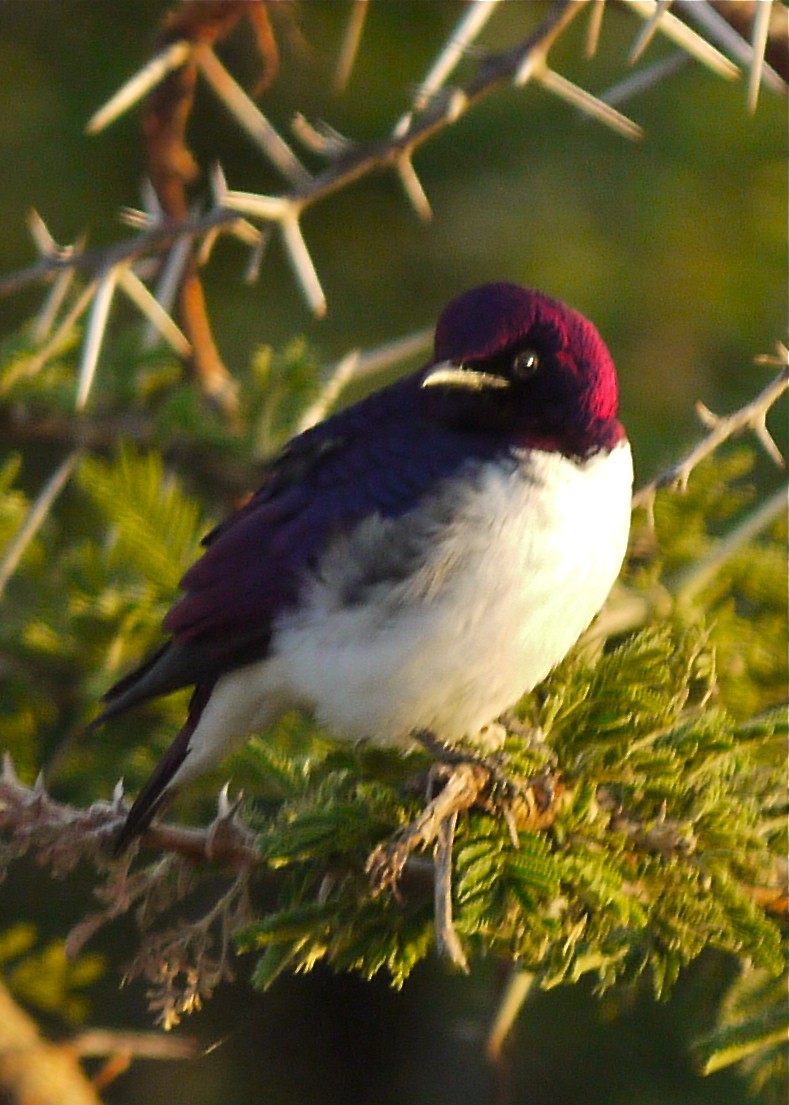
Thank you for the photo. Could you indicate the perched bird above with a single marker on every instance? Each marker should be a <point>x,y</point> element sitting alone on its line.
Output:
<point>416,562</point>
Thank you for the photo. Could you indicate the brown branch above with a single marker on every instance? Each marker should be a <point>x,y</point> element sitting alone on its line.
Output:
<point>62,835</point>
<point>353,165</point>
<point>173,169</point>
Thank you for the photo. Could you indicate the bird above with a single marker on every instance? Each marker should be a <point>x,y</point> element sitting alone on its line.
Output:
<point>416,562</point>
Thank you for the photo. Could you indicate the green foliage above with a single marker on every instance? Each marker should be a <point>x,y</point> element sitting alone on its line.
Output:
<point>742,596</point>
<point>46,978</point>
<point>278,389</point>
<point>153,526</point>
<point>752,1028</point>
<point>660,830</point>
<point>80,613</point>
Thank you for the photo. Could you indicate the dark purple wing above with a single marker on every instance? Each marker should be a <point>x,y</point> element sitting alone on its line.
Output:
<point>379,456</point>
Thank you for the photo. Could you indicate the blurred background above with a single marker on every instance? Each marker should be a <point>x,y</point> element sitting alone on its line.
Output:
<point>675,246</point>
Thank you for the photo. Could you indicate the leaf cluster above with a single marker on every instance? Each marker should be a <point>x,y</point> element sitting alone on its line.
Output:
<point>664,821</point>
<point>45,977</point>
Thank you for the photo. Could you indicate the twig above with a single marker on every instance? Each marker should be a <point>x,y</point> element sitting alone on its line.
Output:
<point>138,1045</point>
<point>465,783</point>
<point>447,941</point>
<point>750,417</point>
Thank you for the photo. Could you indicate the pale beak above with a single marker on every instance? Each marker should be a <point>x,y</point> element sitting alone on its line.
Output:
<point>449,374</point>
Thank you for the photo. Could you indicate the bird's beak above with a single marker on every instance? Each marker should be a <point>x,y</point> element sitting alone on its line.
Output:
<point>449,374</point>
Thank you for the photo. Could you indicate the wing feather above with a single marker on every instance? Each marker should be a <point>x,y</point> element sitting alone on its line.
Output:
<point>378,456</point>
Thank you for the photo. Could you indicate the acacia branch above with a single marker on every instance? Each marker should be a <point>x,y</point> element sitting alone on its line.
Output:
<point>62,835</point>
<point>352,165</point>
<point>751,417</point>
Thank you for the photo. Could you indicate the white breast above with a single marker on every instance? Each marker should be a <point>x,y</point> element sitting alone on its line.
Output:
<point>472,605</point>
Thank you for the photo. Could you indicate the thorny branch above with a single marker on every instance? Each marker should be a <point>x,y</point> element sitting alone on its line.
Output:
<point>752,417</point>
<point>351,162</point>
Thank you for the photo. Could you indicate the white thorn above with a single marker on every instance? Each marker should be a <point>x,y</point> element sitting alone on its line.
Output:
<point>50,308</point>
<point>594,27</point>
<point>588,104</point>
<point>642,79</point>
<point>718,30</point>
<point>245,232</point>
<point>456,105</point>
<point>256,255</point>
<point>218,183</point>
<point>39,232</point>
<point>117,796</point>
<point>350,45</point>
<point>412,186</point>
<point>648,31</point>
<point>680,33</point>
<point>136,219</point>
<point>97,324</point>
<point>302,264</point>
<point>476,16</point>
<point>167,285</point>
<point>147,303</point>
<point>9,774</point>
<point>532,65</point>
<point>250,117</point>
<point>15,550</point>
<point>275,208</point>
<point>223,807</point>
<point>767,442</point>
<point>172,57</point>
<point>320,137</point>
<point>403,125</point>
<point>330,392</point>
<point>150,198</point>
<point>759,34</point>
<point>707,417</point>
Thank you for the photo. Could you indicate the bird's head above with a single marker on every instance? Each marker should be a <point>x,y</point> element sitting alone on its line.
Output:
<point>511,360</point>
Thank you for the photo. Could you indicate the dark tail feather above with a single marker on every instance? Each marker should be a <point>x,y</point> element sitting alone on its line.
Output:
<point>126,692</point>
<point>157,792</point>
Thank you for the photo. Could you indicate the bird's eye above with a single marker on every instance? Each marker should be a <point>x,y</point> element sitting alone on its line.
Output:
<point>525,363</point>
